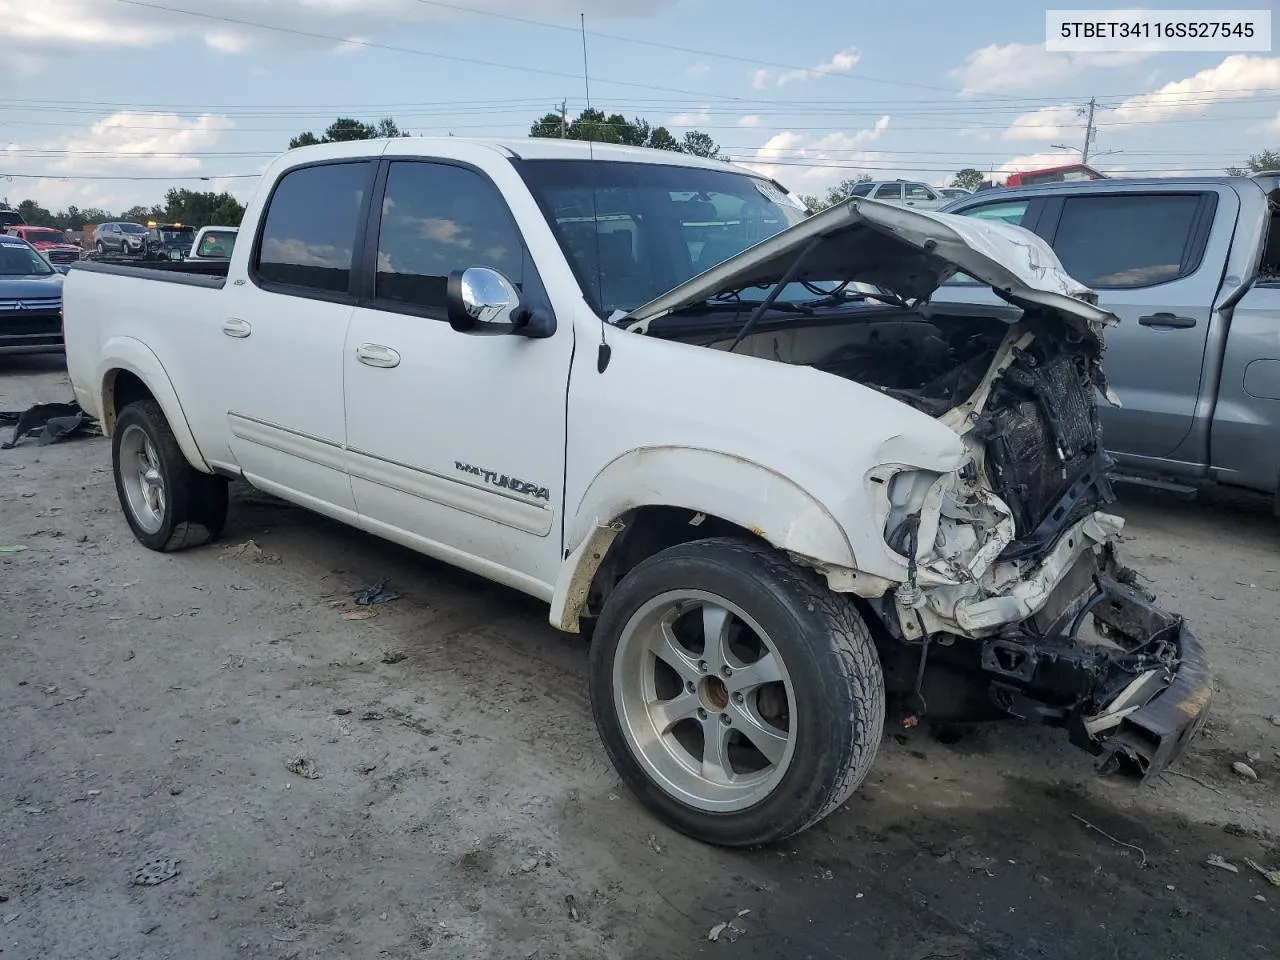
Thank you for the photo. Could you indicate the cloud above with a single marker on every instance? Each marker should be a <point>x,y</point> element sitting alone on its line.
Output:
<point>750,120</point>
<point>839,153</point>
<point>48,27</point>
<point>842,61</point>
<point>698,70</point>
<point>1235,77</point>
<point>998,68</point>
<point>692,118</point>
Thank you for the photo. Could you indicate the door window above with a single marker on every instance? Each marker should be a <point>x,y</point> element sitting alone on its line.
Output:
<point>918,191</point>
<point>311,226</point>
<point>1122,241</point>
<point>862,190</point>
<point>889,191</point>
<point>438,218</point>
<point>1011,211</point>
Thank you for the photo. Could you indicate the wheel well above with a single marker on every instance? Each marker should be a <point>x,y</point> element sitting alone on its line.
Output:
<point>121,389</point>
<point>649,530</point>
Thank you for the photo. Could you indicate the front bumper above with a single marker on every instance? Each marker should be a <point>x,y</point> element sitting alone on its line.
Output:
<point>1137,698</point>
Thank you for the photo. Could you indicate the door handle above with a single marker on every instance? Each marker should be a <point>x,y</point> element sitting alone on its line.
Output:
<point>376,355</point>
<point>234,327</point>
<point>1167,321</point>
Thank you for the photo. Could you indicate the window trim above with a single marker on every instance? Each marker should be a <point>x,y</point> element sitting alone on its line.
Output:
<point>366,287</point>
<point>357,249</point>
<point>1193,250</point>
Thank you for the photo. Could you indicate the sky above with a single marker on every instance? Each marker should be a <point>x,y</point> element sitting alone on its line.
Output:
<point>107,103</point>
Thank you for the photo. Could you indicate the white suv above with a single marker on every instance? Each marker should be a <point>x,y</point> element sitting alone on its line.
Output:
<point>902,193</point>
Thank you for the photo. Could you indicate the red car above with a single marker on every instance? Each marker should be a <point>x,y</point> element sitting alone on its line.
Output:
<point>50,241</point>
<point>1074,171</point>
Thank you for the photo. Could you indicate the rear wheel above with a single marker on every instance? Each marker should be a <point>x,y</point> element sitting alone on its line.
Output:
<point>737,696</point>
<point>168,503</point>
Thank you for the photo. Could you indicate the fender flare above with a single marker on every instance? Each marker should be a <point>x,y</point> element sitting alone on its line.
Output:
<point>719,484</point>
<point>127,353</point>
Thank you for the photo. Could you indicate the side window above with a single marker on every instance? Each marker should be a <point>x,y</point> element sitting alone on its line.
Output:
<point>311,225</point>
<point>437,218</point>
<point>1011,211</point>
<point>889,191</point>
<point>861,190</point>
<point>1128,241</point>
<point>919,191</point>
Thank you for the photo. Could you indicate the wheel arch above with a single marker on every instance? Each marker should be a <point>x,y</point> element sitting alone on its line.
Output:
<point>131,371</point>
<point>652,498</point>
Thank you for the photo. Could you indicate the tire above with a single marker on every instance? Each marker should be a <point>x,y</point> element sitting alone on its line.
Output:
<point>813,715</point>
<point>102,248</point>
<point>168,503</point>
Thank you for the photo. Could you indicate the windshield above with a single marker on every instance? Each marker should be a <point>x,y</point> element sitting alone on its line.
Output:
<point>20,260</point>
<point>132,228</point>
<point>178,235</point>
<point>648,227</point>
<point>48,235</point>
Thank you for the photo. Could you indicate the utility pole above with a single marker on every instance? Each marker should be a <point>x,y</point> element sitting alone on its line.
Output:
<point>1089,131</point>
<point>564,119</point>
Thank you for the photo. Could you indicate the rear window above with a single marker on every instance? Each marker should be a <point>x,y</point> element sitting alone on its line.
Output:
<point>310,228</point>
<point>1128,241</point>
<point>217,243</point>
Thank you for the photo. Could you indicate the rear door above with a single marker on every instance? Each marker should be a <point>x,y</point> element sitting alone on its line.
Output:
<point>1155,258</point>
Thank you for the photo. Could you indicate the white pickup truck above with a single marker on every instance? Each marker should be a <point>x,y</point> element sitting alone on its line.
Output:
<point>651,391</point>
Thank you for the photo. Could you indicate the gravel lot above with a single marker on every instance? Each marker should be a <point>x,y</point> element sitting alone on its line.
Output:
<point>463,806</point>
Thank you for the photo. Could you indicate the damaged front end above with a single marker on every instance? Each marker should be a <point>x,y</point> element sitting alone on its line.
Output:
<point>1015,603</point>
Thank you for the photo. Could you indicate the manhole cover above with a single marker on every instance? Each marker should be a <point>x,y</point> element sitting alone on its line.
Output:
<point>155,871</point>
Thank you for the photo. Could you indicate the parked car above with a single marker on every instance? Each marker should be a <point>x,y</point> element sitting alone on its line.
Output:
<point>902,193</point>
<point>169,241</point>
<point>9,217</point>
<point>30,299</point>
<point>123,239</point>
<point>953,193</point>
<point>1064,174</point>
<point>1192,268</point>
<point>770,500</point>
<point>50,241</point>
<point>213,244</point>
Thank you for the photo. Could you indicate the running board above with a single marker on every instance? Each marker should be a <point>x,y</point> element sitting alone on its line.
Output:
<point>1181,490</point>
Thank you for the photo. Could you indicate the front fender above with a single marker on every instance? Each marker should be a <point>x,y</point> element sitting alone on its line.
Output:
<point>722,485</point>
<point>127,353</point>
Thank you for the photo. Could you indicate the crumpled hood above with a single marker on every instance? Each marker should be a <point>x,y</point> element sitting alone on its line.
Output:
<point>906,252</point>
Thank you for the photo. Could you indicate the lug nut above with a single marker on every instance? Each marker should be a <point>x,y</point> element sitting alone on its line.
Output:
<point>702,714</point>
<point>702,666</point>
<point>725,719</point>
<point>739,698</point>
<point>726,671</point>
<point>689,686</point>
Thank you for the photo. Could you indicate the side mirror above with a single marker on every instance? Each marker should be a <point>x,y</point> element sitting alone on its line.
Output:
<point>483,301</point>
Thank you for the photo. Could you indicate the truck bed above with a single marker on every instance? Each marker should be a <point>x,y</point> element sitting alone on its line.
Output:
<point>212,275</point>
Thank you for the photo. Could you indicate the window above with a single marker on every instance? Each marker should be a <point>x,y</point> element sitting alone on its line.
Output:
<point>1011,211</point>
<point>436,219</point>
<point>217,243</point>
<point>889,191</point>
<point>918,191</point>
<point>862,190</point>
<point>311,225</point>
<point>1126,241</point>
<point>134,228</point>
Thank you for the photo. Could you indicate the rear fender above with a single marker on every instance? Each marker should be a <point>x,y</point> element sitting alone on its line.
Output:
<point>702,481</point>
<point>126,353</point>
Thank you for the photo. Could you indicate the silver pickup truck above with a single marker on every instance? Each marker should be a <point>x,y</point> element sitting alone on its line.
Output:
<point>1192,268</point>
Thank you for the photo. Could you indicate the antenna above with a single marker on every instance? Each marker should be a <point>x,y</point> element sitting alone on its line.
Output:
<point>605,351</point>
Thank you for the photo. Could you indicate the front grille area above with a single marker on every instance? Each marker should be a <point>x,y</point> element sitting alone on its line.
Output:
<point>63,256</point>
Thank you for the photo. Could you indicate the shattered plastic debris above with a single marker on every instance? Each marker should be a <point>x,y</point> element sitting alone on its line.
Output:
<point>156,871</point>
<point>14,548</point>
<point>1217,861</point>
<point>304,767</point>
<point>52,422</point>
<point>375,594</point>
<point>1244,770</point>
<point>1272,876</point>
<point>714,932</point>
<point>571,902</point>
<point>359,614</point>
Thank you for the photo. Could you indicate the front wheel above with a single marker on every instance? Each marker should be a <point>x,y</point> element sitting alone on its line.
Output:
<point>168,503</point>
<point>739,698</point>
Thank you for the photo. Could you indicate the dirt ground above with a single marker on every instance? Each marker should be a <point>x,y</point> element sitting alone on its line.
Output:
<point>463,807</point>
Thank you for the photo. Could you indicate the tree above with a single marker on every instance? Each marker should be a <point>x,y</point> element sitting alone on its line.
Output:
<point>1266,160</point>
<point>206,209</point>
<point>34,214</point>
<point>969,178</point>
<point>700,144</point>
<point>346,128</point>
<point>598,127</point>
<point>141,214</point>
